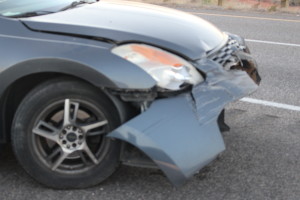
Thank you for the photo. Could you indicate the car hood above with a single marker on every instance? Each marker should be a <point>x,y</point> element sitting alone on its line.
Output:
<point>124,21</point>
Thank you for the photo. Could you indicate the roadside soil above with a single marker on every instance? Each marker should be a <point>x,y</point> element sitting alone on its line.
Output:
<point>257,5</point>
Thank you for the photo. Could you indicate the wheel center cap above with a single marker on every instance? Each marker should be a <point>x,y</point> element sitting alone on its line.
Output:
<point>71,137</point>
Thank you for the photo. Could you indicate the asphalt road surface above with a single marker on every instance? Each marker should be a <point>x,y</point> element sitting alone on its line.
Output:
<point>262,159</point>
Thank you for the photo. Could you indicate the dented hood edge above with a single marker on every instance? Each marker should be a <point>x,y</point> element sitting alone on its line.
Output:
<point>124,21</point>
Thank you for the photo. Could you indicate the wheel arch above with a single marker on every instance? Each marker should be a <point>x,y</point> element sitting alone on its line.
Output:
<point>19,79</point>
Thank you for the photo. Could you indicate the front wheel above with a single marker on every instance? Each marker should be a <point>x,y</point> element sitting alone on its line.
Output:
<point>58,134</point>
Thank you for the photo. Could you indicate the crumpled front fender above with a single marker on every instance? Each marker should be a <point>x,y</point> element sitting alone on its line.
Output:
<point>180,134</point>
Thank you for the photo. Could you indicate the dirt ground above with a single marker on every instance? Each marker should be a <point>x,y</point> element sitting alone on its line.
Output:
<point>260,5</point>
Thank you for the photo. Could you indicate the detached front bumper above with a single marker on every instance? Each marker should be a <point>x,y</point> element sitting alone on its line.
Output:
<point>180,134</point>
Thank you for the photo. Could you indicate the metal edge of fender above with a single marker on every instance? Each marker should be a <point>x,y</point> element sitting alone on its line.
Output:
<point>180,134</point>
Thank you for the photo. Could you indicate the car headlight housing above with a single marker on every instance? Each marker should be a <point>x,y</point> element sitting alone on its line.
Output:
<point>168,70</point>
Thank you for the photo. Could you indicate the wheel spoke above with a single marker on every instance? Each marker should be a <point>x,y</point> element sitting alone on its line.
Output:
<point>70,111</point>
<point>58,162</point>
<point>67,112</point>
<point>55,152</point>
<point>94,125</point>
<point>83,158</point>
<point>46,130</point>
<point>90,154</point>
<point>96,133</point>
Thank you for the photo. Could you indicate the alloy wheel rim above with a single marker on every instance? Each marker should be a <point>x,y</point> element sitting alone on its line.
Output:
<point>68,136</point>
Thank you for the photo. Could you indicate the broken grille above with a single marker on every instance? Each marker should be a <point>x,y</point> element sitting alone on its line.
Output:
<point>225,56</point>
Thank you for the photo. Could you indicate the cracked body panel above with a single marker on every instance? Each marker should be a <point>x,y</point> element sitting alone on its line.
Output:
<point>180,134</point>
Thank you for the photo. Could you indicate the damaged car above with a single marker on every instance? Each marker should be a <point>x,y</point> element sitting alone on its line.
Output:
<point>89,85</point>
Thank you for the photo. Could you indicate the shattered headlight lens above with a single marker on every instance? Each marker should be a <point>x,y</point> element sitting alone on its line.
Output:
<point>168,70</point>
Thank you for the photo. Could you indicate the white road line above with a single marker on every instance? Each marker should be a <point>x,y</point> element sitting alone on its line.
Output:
<point>270,42</point>
<point>271,104</point>
<point>247,17</point>
<point>257,101</point>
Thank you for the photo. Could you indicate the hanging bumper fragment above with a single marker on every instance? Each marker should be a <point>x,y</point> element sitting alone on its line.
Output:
<point>180,134</point>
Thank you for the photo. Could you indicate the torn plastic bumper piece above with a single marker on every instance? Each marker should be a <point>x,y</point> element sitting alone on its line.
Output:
<point>180,134</point>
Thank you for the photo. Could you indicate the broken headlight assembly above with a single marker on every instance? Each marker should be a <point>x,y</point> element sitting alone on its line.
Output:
<point>170,71</point>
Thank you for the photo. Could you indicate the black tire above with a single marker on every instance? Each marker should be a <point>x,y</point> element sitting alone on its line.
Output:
<point>65,156</point>
<point>1,150</point>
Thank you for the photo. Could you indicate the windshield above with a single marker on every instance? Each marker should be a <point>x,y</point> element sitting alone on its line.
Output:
<point>11,8</point>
